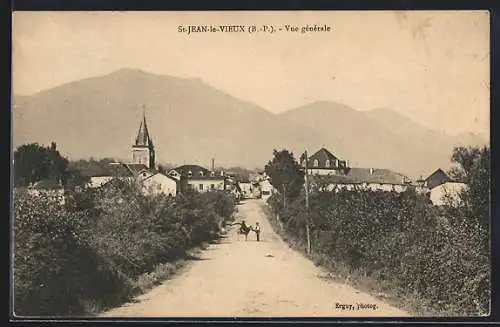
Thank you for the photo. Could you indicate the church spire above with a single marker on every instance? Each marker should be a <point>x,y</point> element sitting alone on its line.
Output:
<point>143,138</point>
<point>143,150</point>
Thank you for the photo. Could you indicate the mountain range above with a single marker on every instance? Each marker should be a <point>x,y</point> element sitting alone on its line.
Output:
<point>192,122</point>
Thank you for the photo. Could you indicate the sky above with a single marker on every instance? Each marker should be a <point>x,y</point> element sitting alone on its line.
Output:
<point>432,66</point>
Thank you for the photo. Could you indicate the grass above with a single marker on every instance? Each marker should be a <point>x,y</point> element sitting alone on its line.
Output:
<point>340,272</point>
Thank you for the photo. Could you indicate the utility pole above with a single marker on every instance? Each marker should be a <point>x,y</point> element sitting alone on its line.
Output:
<point>306,185</point>
<point>284,196</point>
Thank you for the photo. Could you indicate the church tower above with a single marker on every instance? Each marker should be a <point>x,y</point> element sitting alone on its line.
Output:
<point>143,151</point>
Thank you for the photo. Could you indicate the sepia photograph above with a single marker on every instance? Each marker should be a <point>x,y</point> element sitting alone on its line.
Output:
<point>250,164</point>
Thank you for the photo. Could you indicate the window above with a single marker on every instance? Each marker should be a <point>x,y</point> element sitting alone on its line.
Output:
<point>201,187</point>
<point>212,174</point>
<point>190,173</point>
<point>327,163</point>
<point>201,173</point>
<point>212,186</point>
<point>316,163</point>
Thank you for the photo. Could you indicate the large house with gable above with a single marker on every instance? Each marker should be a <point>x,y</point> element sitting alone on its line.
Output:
<point>323,162</point>
<point>198,178</point>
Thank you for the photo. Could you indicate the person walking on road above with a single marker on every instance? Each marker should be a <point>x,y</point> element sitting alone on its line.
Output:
<point>256,229</point>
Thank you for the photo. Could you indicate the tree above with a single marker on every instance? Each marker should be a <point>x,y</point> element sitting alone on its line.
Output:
<point>33,162</point>
<point>285,174</point>
<point>473,168</point>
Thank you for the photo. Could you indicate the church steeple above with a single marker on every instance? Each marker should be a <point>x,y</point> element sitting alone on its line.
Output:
<point>143,150</point>
<point>143,138</point>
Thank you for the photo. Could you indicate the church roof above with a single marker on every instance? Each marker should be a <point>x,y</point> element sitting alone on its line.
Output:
<point>143,138</point>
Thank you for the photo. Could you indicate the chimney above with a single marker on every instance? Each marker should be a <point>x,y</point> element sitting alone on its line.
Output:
<point>213,164</point>
<point>371,171</point>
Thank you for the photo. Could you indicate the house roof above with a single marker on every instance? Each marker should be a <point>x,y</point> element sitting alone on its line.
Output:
<point>135,168</point>
<point>130,170</point>
<point>143,138</point>
<point>437,178</point>
<point>115,169</point>
<point>323,156</point>
<point>194,169</point>
<point>197,172</point>
<point>48,184</point>
<point>368,175</point>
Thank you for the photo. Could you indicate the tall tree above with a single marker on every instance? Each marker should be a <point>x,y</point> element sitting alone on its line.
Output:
<point>473,167</point>
<point>285,174</point>
<point>33,162</point>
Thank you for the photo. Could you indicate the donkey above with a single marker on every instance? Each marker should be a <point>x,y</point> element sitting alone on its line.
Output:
<point>244,229</point>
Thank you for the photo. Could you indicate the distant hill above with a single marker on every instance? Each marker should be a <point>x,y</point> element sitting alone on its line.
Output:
<point>192,122</point>
<point>380,137</point>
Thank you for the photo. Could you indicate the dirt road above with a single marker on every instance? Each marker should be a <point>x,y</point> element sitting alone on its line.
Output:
<point>239,278</point>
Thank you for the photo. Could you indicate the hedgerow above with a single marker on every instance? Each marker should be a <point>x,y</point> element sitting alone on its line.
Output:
<point>90,250</point>
<point>439,255</point>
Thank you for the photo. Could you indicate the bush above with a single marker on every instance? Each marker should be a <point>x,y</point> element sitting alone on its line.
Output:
<point>53,259</point>
<point>436,255</point>
<point>88,252</point>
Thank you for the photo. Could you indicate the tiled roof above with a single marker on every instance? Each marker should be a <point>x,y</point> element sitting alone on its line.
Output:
<point>123,170</point>
<point>197,172</point>
<point>368,175</point>
<point>127,170</point>
<point>437,178</point>
<point>117,170</point>
<point>135,168</point>
<point>325,160</point>
<point>48,184</point>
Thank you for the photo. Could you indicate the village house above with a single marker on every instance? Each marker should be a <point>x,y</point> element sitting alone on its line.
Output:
<point>198,178</point>
<point>330,173</point>
<point>266,189</point>
<point>443,188</point>
<point>246,189</point>
<point>142,169</point>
